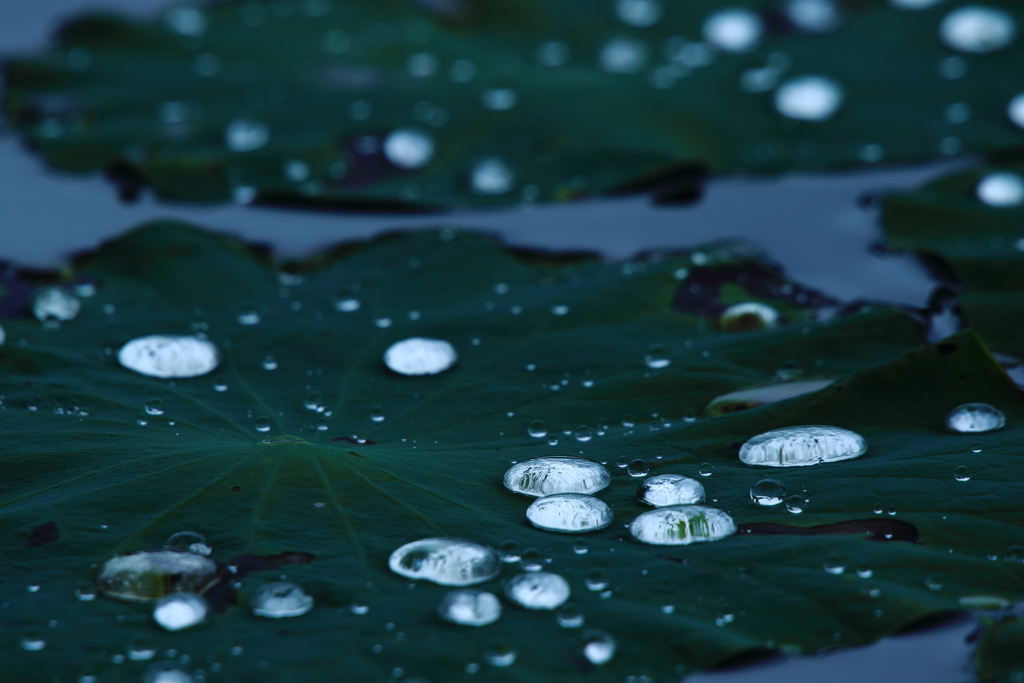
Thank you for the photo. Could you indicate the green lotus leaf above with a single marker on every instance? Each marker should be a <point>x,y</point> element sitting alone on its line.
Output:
<point>998,657</point>
<point>326,492</point>
<point>438,103</point>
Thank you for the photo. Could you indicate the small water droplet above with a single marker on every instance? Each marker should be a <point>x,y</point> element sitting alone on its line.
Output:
<point>532,560</point>
<point>280,599</point>
<point>500,653</point>
<point>246,135</point>
<point>834,564</point>
<point>583,434</point>
<point>637,468</point>
<point>622,55</point>
<point>569,513</point>
<point>189,540</point>
<point>549,475</point>
<point>155,407</point>
<point>795,504</point>
<point>33,641</point>
<point>596,580</point>
<point>262,424</point>
<point>55,304</point>
<point>538,590</point>
<point>418,356</point>
<point>85,591</point>
<point>247,315</point>
<point>733,30</point>
<point>141,648</point>
<point>962,473</point>
<point>579,547</point>
<point>705,469</point>
<point>409,149</point>
<point>446,561</point>
<point>801,446</point>
<point>269,363</point>
<point>768,492</point>
<point>537,429</point>
<point>864,571</point>
<point>808,98</point>
<point>975,418</point>
<point>167,672</point>
<point>180,611</point>
<point>681,525</point>
<point>598,647</point>
<point>509,551</point>
<point>560,309</point>
<point>657,357</point>
<point>377,414</point>
<point>670,489</point>
<point>1001,189</point>
<point>169,357</point>
<point>359,604</point>
<point>933,582</point>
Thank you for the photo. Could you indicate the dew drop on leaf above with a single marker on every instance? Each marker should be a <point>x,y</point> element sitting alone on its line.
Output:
<point>583,434</point>
<point>809,98</point>
<point>262,424</point>
<point>180,611</point>
<point>500,653</point>
<point>189,540</point>
<point>269,363</point>
<point>802,446</point>
<point>733,30</point>
<point>33,641</point>
<point>545,476</point>
<point>768,492</point>
<point>54,303</point>
<point>409,148</point>
<point>420,356</point>
<point>795,504</point>
<point>977,29</point>
<point>962,473</point>
<point>141,648</point>
<point>681,525</point>
<point>975,418</point>
<point>705,469</point>
<point>446,561</point>
<point>169,357</point>
<point>596,580</point>
<point>670,489</point>
<point>834,564</point>
<point>637,468</point>
<point>1001,189</point>
<point>155,407</point>
<point>598,646</point>
<point>657,357</point>
<point>538,590</point>
<point>280,599</point>
<point>509,551</point>
<point>569,513</point>
<point>532,560</point>
<point>537,429</point>
<point>166,672</point>
<point>153,574</point>
<point>864,571</point>
<point>470,608</point>
<point>580,547</point>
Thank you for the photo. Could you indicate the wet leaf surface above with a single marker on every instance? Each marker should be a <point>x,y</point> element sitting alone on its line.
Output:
<point>298,103</point>
<point>295,502</point>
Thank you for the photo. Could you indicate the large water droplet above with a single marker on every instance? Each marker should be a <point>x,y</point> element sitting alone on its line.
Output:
<point>670,489</point>
<point>180,611</point>
<point>768,492</point>
<point>491,176</point>
<point>800,446</point>
<point>538,590</point>
<point>638,13</point>
<point>446,561</point>
<point>569,513</point>
<point>408,148</point>
<point>246,135</point>
<point>152,574</point>
<point>977,29</point>
<point>280,599</point>
<point>53,303</point>
<point>747,317</point>
<point>598,646</point>
<point>1002,189</point>
<point>975,417</point>
<point>189,540</point>
<point>733,30</point>
<point>682,525</point>
<point>169,357</point>
<point>814,16</point>
<point>624,56</point>
<point>809,98</point>
<point>470,608</point>
<point>420,356</point>
<point>547,476</point>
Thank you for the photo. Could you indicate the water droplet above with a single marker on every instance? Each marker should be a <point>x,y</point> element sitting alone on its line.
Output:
<point>637,468</point>
<point>347,304</point>
<point>537,429</point>
<point>500,99</point>
<point>801,446</point>
<point>359,604</point>
<point>220,387</point>
<point>85,591</point>
<point>624,56</point>
<point>733,30</point>
<point>532,560</point>
<point>583,434</point>
<point>446,561</point>
<point>169,357</point>
<point>166,672</point>
<point>809,98</point>
<point>657,357</point>
<point>409,149</point>
<point>190,541</point>
<point>155,407</point>
<point>975,417</point>
<point>180,611</point>
<point>933,582</point>
<point>768,492</point>
<point>913,4</point>
<point>705,469</point>
<point>470,608</point>
<point>977,29</point>
<point>1015,553</point>
<point>596,580</point>
<point>538,590</point>
<point>569,513</point>
<point>500,653</point>
<point>795,504</point>
<point>546,476</point>
<point>681,525</point>
<point>377,414</point>
<point>598,647</point>
<point>509,551</point>
<point>421,65</point>
<point>54,303</point>
<point>247,315</point>
<point>269,363</point>
<point>152,574</point>
<point>569,616</point>
<point>280,599</point>
<point>962,473</point>
<point>1015,110</point>
<point>864,571</point>
<point>560,309</point>
<point>141,649</point>
<point>313,401</point>
<point>246,135</point>
<point>491,176</point>
<point>834,564</point>
<point>262,424</point>
<point>670,489</point>
<point>1001,189</point>
<point>975,447</point>
<point>814,16</point>
<point>33,641</point>
<point>748,317</point>
<point>419,356</point>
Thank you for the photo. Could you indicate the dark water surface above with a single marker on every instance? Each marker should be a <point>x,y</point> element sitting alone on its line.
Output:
<point>811,224</point>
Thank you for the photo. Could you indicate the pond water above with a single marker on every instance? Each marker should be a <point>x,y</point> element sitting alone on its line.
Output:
<point>811,224</point>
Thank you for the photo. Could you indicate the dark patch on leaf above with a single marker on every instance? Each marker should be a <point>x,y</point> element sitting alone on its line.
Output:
<point>47,532</point>
<point>873,529</point>
<point>352,440</point>
<point>945,349</point>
